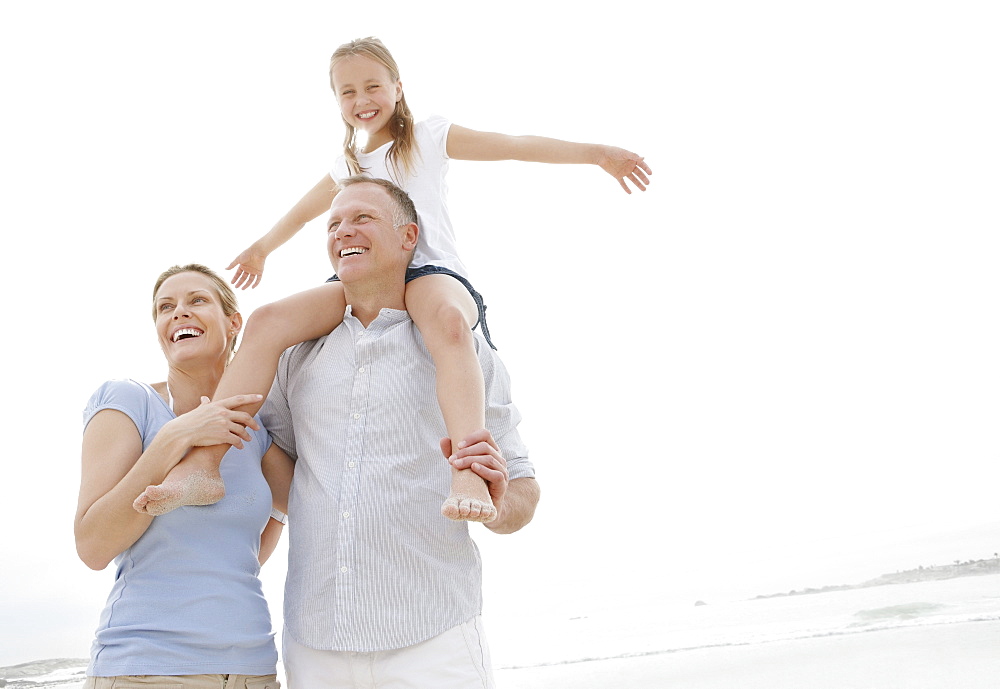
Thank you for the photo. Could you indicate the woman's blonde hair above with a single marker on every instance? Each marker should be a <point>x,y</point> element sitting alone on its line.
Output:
<point>227,297</point>
<point>402,152</point>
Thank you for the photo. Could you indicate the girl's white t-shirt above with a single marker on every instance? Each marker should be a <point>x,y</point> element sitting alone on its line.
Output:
<point>428,188</point>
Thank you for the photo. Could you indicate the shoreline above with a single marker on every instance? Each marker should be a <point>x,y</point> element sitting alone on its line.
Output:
<point>930,656</point>
<point>738,644</point>
<point>935,622</point>
<point>934,655</point>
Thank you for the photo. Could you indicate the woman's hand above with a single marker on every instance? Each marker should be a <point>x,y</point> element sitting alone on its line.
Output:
<point>217,423</point>
<point>116,468</point>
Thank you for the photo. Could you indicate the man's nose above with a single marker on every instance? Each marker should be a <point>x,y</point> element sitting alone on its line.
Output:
<point>344,229</point>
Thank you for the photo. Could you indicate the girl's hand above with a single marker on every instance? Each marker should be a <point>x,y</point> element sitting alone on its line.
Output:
<point>218,423</point>
<point>625,165</point>
<point>249,268</point>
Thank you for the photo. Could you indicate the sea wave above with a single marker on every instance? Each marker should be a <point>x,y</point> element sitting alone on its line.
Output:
<point>773,639</point>
<point>44,674</point>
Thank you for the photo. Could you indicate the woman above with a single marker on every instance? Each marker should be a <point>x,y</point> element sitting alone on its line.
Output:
<point>186,599</point>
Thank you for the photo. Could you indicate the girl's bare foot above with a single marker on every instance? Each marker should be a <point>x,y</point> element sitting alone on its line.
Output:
<point>199,487</point>
<point>470,498</point>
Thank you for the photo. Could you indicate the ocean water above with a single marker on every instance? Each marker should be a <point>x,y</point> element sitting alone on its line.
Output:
<point>643,628</point>
<point>54,672</point>
<point>647,628</point>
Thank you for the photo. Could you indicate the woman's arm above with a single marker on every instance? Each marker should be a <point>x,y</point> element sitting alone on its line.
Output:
<point>469,144</point>
<point>277,467</point>
<point>250,263</point>
<point>114,471</point>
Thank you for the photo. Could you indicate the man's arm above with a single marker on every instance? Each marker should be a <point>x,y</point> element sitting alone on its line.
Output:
<point>518,506</point>
<point>515,500</point>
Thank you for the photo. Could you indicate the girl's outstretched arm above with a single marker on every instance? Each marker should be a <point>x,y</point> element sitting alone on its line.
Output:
<point>469,144</point>
<point>249,264</point>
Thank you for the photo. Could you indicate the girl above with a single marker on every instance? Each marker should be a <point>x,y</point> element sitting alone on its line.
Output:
<point>439,297</point>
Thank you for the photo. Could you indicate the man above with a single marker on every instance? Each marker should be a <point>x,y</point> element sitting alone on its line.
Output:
<point>381,586</point>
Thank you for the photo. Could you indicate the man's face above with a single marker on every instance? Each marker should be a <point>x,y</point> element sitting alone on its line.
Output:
<point>361,238</point>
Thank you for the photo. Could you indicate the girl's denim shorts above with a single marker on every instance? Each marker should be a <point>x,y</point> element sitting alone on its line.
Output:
<point>414,273</point>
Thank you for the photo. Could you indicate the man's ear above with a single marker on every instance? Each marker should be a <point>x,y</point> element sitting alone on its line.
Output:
<point>409,236</point>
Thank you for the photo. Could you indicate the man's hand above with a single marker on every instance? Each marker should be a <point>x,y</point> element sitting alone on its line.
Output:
<point>479,453</point>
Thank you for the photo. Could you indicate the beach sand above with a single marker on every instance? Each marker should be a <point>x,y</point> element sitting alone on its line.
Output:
<point>943,656</point>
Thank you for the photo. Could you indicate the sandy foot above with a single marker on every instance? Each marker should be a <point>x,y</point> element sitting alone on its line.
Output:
<point>469,500</point>
<point>199,488</point>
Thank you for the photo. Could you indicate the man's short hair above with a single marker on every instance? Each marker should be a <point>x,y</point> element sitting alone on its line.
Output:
<point>403,210</point>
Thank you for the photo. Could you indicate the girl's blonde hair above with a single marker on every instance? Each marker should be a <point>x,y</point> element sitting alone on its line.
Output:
<point>227,297</point>
<point>402,152</point>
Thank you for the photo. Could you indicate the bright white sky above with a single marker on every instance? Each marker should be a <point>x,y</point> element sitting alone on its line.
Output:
<point>783,353</point>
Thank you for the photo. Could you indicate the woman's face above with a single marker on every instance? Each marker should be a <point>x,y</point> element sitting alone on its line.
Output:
<point>191,324</point>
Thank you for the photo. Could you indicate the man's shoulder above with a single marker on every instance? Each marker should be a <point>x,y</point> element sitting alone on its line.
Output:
<point>304,352</point>
<point>298,355</point>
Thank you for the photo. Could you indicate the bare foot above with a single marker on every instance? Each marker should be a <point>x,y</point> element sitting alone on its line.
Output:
<point>470,498</point>
<point>197,488</point>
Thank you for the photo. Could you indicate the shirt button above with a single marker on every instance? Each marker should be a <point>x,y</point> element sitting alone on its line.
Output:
<point>343,569</point>
<point>361,370</point>
<point>347,514</point>
<point>351,465</point>
<point>357,416</point>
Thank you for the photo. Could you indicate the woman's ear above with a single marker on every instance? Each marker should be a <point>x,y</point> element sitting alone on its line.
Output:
<point>235,324</point>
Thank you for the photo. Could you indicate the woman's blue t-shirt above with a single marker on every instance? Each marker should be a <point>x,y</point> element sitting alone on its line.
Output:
<point>186,597</point>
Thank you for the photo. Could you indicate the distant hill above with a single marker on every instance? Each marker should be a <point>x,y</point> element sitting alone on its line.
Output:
<point>933,573</point>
